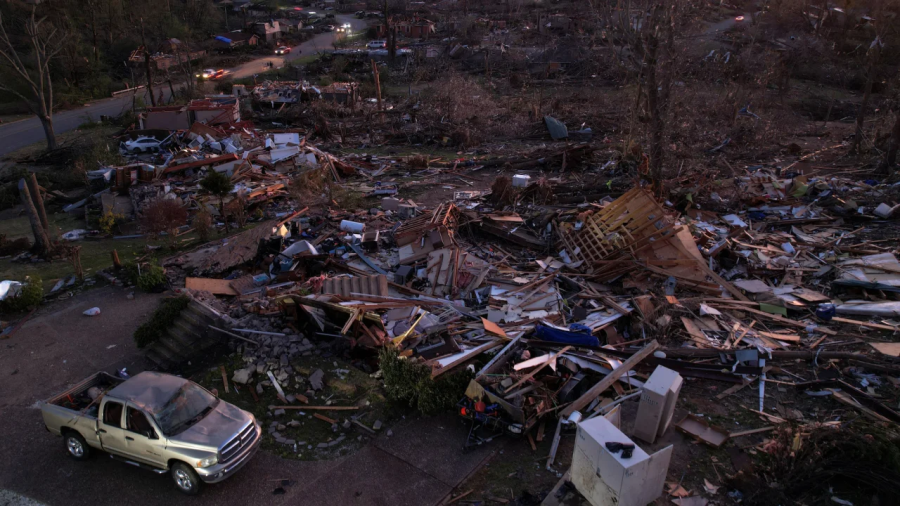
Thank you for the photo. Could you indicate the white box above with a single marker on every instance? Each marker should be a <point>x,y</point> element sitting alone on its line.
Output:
<point>605,478</point>
<point>660,394</point>
<point>521,180</point>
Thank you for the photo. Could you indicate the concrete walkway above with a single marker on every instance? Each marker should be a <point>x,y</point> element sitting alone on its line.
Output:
<point>417,466</point>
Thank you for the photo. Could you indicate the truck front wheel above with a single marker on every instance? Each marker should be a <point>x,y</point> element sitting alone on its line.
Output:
<point>76,446</point>
<point>186,479</point>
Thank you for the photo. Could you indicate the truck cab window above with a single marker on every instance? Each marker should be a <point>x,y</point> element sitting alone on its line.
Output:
<point>112,414</point>
<point>137,422</point>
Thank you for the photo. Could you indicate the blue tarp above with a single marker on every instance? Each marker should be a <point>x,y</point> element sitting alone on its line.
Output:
<point>582,338</point>
<point>223,39</point>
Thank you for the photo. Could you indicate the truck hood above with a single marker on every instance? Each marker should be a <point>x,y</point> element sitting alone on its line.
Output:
<point>216,429</point>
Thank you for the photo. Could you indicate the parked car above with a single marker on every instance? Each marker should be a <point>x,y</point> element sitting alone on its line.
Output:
<point>377,44</point>
<point>282,50</point>
<point>157,422</point>
<point>330,15</point>
<point>142,145</point>
<point>328,28</point>
<point>360,14</point>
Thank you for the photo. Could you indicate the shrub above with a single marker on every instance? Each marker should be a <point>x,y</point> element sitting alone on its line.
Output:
<point>31,296</point>
<point>148,277</point>
<point>411,382</point>
<point>203,224</point>
<point>164,216</point>
<point>110,221</point>
<point>163,318</point>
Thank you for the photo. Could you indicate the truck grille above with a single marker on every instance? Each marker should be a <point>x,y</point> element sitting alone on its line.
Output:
<point>233,447</point>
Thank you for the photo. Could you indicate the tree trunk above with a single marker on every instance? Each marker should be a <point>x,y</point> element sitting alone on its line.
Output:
<point>653,104</point>
<point>49,134</point>
<point>149,77</point>
<point>147,68</point>
<point>41,241</point>
<point>222,213</point>
<point>659,78</point>
<point>38,201</point>
<point>891,157</point>
<point>872,56</point>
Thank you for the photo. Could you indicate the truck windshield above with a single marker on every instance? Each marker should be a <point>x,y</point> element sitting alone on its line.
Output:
<point>188,406</point>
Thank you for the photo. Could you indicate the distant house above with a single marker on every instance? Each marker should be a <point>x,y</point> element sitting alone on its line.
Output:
<point>290,25</point>
<point>342,93</point>
<point>269,32</point>
<point>413,28</point>
<point>236,39</point>
<point>168,54</point>
<point>212,110</point>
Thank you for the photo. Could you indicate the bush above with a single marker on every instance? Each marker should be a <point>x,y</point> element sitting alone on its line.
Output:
<point>163,318</point>
<point>149,278</point>
<point>411,382</point>
<point>110,221</point>
<point>203,224</point>
<point>31,296</point>
<point>164,216</point>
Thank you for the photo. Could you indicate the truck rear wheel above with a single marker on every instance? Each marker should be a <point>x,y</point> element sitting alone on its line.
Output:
<point>186,479</point>
<point>76,446</point>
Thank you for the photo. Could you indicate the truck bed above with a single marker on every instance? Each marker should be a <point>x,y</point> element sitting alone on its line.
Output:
<point>77,398</point>
<point>74,409</point>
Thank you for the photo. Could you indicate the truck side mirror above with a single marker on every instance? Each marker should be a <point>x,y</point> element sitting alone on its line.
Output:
<point>151,434</point>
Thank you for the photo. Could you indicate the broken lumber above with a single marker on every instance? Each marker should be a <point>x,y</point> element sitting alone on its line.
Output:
<point>609,379</point>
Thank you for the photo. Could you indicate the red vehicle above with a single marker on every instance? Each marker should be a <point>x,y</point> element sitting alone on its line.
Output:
<point>282,50</point>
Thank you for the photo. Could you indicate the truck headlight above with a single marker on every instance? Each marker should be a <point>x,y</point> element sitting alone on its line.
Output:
<point>210,461</point>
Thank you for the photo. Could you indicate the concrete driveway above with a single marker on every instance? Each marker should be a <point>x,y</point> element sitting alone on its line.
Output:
<point>58,347</point>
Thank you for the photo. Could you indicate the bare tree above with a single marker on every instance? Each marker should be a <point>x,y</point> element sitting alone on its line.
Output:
<point>389,8</point>
<point>659,82</point>
<point>872,56</point>
<point>45,42</point>
<point>642,37</point>
<point>148,68</point>
<point>891,157</point>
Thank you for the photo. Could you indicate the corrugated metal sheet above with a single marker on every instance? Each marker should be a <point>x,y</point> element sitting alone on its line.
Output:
<point>345,285</point>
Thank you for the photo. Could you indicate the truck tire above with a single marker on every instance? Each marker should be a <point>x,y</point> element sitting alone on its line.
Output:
<point>76,447</point>
<point>186,479</point>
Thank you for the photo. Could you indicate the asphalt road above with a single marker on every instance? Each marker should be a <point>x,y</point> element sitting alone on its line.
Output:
<point>25,132</point>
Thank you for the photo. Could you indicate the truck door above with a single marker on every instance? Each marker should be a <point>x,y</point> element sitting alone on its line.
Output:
<point>142,438</point>
<point>109,427</point>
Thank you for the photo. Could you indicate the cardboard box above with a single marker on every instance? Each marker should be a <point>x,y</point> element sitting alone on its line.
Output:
<point>605,478</point>
<point>657,404</point>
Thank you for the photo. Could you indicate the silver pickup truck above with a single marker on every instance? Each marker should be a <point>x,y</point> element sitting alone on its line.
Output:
<point>158,422</point>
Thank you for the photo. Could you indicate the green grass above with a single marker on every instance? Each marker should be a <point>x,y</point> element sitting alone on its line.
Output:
<point>95,253</point>
<point>357,389</point>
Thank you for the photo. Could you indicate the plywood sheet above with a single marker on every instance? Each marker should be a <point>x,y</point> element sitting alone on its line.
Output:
<point>214,286</point>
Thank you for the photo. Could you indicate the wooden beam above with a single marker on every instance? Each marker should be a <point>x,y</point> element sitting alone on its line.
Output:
<point>320,408</point>
<point>609,379</point>
<point>224,377</point>
<point>537,369</point>
<point>324,418</point>
<point>468,356</point>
